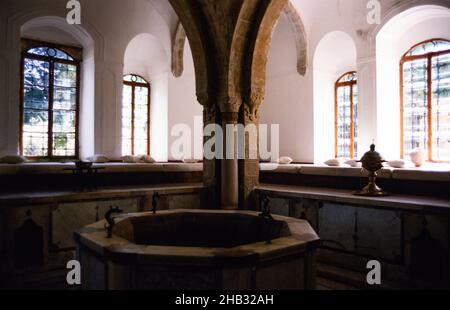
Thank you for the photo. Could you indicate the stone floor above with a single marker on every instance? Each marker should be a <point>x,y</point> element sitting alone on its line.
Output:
<point>56,280</point>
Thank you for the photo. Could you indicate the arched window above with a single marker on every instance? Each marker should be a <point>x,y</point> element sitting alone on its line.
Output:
<point>346,116</point>
<point>135,116</point>
<point>50,83</point>
<point>425,99</point>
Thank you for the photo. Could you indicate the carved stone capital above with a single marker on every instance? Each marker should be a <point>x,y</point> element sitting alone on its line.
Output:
<point>256,98</point>
<point>230,104</point>
<point>251,113</point>
<point>209,114</point>
<point>203,99</point>
<point>252,105</point>
<point>230,117</point>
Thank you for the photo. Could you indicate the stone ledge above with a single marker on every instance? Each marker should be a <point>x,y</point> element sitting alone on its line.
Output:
<point>385,173</point>
<point>37,198</point>
<point>421,175</point>
<point>340,196</point>
<point>58,168</point>
<point>437,173</point>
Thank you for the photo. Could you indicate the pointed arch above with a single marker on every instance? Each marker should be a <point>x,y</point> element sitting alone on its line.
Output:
<point>297,28</point>
<point>191,22</point>
<point>179,42</point>
<point>86,33</point>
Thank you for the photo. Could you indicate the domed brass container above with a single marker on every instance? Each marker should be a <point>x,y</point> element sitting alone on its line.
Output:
<point>372,161</point>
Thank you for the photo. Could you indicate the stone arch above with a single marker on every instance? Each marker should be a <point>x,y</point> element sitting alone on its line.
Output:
<point>297,27</point>
<point>260,53</point>
<point>85,33</point>
<point>179,42</point>
<point>191,21</point>
<point>402,7</point>
<point>145,56</point>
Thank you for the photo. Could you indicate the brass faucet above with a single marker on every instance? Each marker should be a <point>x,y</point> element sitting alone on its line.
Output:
<point>155,200</point>
<point>109,218</point>
<point>266,211</point>
<point>266,214</point>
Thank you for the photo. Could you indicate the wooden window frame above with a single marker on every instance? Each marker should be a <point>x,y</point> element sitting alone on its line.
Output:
<point>133,85</point>
<point>338,85</point>
<point>429,57</point>
<point>76,54</point>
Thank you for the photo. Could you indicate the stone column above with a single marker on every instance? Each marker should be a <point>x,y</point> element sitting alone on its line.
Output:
<point>249,168</point>
<point>230,43</point>
<point>230,179</point>
<point>229,167</point>
<point>210,199</point>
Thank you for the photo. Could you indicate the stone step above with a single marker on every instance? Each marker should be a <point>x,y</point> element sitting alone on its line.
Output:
<point>349,279</point>
<point>324,284</point>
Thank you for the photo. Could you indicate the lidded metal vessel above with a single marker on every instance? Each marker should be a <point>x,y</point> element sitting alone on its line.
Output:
<point>372,161</point>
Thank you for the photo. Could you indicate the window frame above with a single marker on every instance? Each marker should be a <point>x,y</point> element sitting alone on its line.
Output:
<point>133,85</point>
<point>429,57</point>
<point>76,54</point>
<point>338,85</point>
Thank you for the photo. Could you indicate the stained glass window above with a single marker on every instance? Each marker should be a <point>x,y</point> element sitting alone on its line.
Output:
<point>434,46</point>
<point>347,116</point>
<point>426,100</point>
<point>49,52</point>
<point>135,116</point>
<point>49,103</point>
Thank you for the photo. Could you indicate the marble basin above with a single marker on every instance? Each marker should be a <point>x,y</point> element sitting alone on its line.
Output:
<point>192,249</point>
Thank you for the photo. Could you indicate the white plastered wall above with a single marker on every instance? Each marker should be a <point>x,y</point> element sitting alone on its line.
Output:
<point>111,26</point>
<point>290,99</point>
<point>393,41</point>
<point>184,108</point>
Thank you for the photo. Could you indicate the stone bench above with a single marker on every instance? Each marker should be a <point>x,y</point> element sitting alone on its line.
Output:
<point>55,215</point>
<point>59,168</point>
<point>37,198</point>
<point>432,179</point>
<point>56,176</point>
<point>430,172</point>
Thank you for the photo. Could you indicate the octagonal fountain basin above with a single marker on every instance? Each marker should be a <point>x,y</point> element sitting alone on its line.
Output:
<point>192,249</point>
